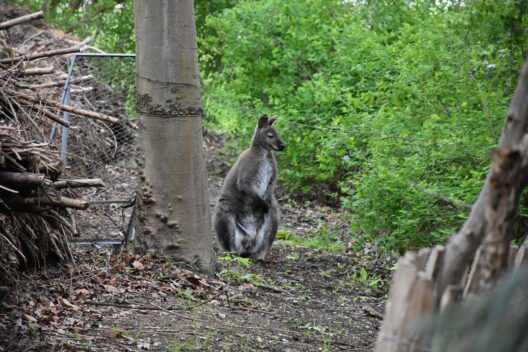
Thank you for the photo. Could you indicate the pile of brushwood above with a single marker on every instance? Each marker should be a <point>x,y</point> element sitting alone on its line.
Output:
<point>37,204</point>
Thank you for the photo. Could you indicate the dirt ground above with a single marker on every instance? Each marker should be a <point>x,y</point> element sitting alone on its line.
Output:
<point>319,290</point>
<point>300,300</point>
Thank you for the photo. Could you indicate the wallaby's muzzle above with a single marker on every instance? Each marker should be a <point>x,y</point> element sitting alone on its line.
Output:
<point>280,146</point>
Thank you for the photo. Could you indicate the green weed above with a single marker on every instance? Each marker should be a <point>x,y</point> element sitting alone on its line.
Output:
<point>233,258</point>
<point>323,241</point>
<point>235,276</point>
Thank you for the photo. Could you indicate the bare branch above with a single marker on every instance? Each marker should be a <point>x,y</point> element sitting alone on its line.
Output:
<point>49,53</point>
<point>21,20</point>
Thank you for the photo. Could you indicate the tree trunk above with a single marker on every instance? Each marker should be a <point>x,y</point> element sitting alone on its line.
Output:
<point>173,206</point>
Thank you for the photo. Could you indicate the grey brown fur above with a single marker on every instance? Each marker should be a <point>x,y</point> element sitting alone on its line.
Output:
<point>247,216</point>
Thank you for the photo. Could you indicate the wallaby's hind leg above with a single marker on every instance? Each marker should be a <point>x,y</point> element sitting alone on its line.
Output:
<point>269,229</point>
<point>224,229</point>
<point>274,226</point>
<point>231,233</point>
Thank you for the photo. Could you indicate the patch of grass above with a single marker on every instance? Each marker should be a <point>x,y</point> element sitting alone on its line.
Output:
<point>235,276</point>
<point>323,331</point>
<point>117,331</point>
<point>302,298</point>
<point>133,334</point>
<point>236,270</point>
<point>322,240</point>
<point>368,281</point>
<point>197,345</point>
<point>199,342</point>
<point>186,295</point>
<point>233,258</point>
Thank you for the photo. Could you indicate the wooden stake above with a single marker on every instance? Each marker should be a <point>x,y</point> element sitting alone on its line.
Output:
<point>522,255</point>
<point>411,297</point>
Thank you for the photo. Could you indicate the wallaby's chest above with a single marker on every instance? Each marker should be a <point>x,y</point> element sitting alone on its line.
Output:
<point>265,175</point>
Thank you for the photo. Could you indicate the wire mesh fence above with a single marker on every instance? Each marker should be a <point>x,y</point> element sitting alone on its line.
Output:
<point>102,83</point>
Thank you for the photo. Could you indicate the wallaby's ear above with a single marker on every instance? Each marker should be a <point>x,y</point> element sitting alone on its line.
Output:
<point>263,121</point>
<point>271,121</point>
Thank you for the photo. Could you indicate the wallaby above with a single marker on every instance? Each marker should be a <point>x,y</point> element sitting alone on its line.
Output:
<point>247,216</point>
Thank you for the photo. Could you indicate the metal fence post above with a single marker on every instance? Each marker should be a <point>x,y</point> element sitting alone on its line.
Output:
<point>64,138</point>
<point>65,91</point>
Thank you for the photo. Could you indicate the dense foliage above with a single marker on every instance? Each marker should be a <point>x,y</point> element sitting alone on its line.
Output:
<point>390,107</point>
<point>397,105</point>
<point>110,22</point>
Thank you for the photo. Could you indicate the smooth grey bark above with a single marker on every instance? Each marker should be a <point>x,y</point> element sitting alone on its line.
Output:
<point>173,207</point>
<point>462,246</point>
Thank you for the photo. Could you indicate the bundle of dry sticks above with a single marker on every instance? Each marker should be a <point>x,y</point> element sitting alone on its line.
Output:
<point>37,205</point>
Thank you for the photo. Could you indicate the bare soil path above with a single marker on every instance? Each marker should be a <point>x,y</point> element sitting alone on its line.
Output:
<point>301,300</point>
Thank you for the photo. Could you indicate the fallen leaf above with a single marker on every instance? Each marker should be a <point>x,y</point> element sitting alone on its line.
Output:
<point>144,344</point>
<point>111,333</point>
<point>110,288</point>
<point>45,318</point>
<point>248,285</point>
<point>194,281</point>
<point>100,278</point>
<point>68,322</point>
<point>69,305</point>
<point>81,292</point>
<point>29,318</point>
<point>138,265</point>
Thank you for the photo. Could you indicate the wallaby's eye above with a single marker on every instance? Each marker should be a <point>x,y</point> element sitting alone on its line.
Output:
<point>270,135</point>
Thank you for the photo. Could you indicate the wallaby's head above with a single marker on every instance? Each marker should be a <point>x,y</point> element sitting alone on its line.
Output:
<point>265,135</point>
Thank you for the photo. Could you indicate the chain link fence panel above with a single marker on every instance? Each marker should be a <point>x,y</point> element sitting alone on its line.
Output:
<point>103,83</point>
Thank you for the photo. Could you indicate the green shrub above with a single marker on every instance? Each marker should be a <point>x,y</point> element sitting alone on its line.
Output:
<point>389,102</point>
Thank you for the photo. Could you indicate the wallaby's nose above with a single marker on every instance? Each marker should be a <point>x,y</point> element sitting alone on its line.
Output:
<point>282,146</point>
